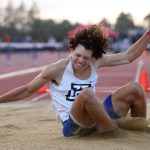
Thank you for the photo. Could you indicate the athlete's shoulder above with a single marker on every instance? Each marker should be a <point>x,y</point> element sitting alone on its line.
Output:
<point>62,62</point>
<point>53,70</point>
<point>95,62</point>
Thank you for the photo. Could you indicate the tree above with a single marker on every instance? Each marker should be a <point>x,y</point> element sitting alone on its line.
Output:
<point>33,13</point>
<point>9,15</point>
<point>1,16</point>
<point>62,29</point>
<point>20,17</point>
<point>105,23</point>
<point>44,29</point>
<point>147,18</point>
<point>124,23</point>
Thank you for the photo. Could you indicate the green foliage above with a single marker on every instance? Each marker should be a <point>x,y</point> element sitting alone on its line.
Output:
<point>124,23</point>
<point>21,22</point>
<point>147,18</point>
<point>105,22</point>
<point>43,29</point>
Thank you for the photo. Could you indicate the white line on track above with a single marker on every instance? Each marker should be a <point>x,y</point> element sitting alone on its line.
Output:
<point>21,72</point>
<point>17,104</point>
<point>139,68</point>
<point>117,74</point>
<point>106,89</point>
<point>98,89</point>
<point>40,97</point>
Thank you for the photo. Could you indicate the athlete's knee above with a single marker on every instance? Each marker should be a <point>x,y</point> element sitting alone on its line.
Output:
<point>136,88</point>
<point>87,95</point>
<point>137,92</point>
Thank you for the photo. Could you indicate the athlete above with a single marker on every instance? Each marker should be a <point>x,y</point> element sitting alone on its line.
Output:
<point>73,81</point>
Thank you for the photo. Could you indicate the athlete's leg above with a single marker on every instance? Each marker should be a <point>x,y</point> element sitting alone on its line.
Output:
<point>130,96</point>
<point>87,110</point>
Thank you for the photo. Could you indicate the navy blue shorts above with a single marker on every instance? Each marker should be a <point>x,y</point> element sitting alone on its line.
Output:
<point>109,108</point>
<point>70,127</point>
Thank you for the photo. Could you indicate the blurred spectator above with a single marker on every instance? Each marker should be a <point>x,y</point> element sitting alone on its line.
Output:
<point>7,39</point>
<point>28,39</point>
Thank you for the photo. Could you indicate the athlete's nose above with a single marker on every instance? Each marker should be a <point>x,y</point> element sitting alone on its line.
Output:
<point>81,60</point>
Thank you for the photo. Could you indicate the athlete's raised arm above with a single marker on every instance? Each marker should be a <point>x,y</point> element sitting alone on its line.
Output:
<point>129,55</point>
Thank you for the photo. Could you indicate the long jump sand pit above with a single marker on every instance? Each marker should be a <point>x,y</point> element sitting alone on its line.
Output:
<point>32,126</point>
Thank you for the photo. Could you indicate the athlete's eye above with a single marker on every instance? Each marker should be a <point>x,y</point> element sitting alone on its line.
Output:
<point>78,55</point>
<point>86,58</point>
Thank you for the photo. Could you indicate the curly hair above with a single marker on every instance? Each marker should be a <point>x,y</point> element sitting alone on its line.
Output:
<point>93,37</point>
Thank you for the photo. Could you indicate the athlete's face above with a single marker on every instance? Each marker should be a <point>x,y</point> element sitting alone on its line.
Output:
<point>81,57</point>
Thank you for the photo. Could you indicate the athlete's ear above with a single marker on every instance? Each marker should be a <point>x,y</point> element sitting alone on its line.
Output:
<point>71,51</point>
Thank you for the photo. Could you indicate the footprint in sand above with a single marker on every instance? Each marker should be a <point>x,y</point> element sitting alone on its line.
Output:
<point>10,126</point>
<point>46,120</point>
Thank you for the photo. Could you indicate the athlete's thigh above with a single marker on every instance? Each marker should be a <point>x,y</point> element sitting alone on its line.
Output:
<point>79,112</point>
<point>122,99</point>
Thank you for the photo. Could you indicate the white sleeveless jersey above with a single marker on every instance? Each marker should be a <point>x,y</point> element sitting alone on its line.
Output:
<point>64,94</point>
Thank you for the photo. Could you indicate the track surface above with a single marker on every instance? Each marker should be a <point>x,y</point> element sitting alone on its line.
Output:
<point>110,78</point>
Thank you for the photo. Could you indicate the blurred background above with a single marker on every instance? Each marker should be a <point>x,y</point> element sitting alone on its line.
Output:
<point>34,33</point>
<point>37,28</point>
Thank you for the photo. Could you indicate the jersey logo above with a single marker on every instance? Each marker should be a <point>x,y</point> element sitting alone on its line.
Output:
<point>75,90</point>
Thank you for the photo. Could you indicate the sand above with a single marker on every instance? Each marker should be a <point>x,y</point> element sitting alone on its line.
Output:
<point>27,125</point>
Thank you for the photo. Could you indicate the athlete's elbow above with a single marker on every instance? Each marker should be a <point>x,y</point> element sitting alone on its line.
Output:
<point>29,90</point>
<point>129,58</point>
